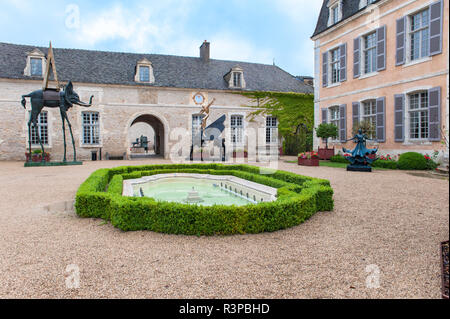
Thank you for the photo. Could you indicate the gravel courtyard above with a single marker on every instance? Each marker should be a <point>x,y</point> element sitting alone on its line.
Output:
<point>390,219</point>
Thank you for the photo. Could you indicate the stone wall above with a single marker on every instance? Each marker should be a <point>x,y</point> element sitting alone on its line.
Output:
<point>118,107</point>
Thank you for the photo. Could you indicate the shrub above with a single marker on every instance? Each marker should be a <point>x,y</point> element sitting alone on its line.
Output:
<point>339,159</point>
<point>298,198</point>
<point>412,161</point>
<point>385,164</point>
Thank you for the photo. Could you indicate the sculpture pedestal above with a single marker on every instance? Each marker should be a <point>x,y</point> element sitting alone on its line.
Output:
<point>356,168</point>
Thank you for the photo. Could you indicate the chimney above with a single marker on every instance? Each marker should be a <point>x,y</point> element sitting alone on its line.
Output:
<point>204,51</point>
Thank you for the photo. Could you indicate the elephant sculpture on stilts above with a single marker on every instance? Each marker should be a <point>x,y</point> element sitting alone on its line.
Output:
<point>63,100</point>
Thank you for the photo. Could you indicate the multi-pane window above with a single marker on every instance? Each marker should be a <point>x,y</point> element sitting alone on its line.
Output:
<point>271,130</point>
<point>370,52</point>
<point>419,35</point>
<point>369,114</point>
<point>42,126</point>
<point>36,66</point>
<point>335,116</point>
<point>335,66</point>
<point>418,115</point>
<point>196,126</point>
<point>91,128</point>
<point>335,14</point>
<point>237,129</point>
<point>144,74</point>
<point>237,79</point>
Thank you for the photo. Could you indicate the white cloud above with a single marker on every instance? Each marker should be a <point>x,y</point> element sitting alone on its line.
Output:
<point>226,46</point>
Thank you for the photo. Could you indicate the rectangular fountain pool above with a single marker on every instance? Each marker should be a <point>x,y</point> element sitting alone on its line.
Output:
<point>201,189</point>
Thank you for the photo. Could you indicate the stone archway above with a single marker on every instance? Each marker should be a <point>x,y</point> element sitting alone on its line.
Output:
<point>159,142</point>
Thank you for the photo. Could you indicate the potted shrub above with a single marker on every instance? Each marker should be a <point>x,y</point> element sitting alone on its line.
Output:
<point>325,131</point>
<point>36,156</point>
<point>308,159</point>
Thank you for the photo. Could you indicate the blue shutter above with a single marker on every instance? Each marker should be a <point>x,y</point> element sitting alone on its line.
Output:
<point>355,114</point>
<point>434,114</point>
<point>400,51</point>
<point>325,69</point>
<point>356,57</point>
<point>436,26</point>
<point>381,119</point>
<point>343,62</point>
<point>381,48</point>
<point>343,122</point>
<point>399,117</point>
<point>324,115</point>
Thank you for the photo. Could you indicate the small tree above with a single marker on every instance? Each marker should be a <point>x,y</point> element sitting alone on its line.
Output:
<point>327,130</point>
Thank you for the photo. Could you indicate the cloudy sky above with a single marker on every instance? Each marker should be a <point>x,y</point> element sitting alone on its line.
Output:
<point>260,31</point>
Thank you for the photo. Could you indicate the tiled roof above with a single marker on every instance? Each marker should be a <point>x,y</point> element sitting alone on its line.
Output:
<point>349,8</point>
<point>86,66</point>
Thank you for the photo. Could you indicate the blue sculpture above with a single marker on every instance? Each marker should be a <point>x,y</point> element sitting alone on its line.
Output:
<point>360,160</point>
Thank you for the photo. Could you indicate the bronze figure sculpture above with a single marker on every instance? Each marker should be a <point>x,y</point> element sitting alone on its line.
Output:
<point>360,159</point>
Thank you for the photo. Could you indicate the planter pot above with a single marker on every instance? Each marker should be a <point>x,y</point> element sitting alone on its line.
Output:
<point>240,154</point>
<point>37,157</point>
<point>308,161</point>
<point>325,153</point>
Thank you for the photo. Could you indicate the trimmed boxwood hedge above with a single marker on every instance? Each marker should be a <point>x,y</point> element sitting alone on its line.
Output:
<point>298,198</point>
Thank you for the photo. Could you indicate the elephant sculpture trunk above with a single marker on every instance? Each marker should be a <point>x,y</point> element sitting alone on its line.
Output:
<point>86,104</point>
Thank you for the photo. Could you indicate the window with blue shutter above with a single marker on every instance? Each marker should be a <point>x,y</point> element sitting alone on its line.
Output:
<point>436,26</point>
<point>325,69</point>
<point>355,114</point>
<point>400,55</point>
<point>343,62</point>
<point>399,117</point>
<point>381,119</point>
<point>356,57</point>
<point>324,115</point>
<point>434,114</point>
<point>343,122</point>
<point>381,48</point>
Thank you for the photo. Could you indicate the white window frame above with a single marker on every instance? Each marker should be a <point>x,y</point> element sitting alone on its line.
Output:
<point>335,109</point>
<point>371,116</point>
<point>196,124</point>
<point>419,110</point>
<point>365,50</point>
<point>410,32</point>
<point>271,130</point>
<point>335,64</point>
<point>40,126</point>
<point>335,12</point>
<point>237,131</point>
<point>94,129</point>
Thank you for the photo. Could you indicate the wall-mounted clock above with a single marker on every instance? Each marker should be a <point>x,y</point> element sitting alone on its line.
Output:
<point>199,98</point>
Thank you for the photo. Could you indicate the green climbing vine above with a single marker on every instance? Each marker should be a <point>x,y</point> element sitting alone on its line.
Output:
<point>295,114</point>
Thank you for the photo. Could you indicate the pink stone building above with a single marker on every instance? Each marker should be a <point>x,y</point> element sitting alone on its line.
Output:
<point>386,62</point>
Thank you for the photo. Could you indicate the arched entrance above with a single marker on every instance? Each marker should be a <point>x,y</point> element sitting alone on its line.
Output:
<point>155,135</point>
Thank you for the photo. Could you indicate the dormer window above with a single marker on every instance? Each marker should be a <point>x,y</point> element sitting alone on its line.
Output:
<point>335,15</point>
<point>235,78</point>
<point>144,72</point>
<point>35,63</point>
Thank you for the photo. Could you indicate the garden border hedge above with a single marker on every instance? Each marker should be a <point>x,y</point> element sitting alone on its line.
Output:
<point>298,198</point>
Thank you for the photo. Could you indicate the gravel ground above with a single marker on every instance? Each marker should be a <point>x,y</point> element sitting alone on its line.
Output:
<point>390,219</point>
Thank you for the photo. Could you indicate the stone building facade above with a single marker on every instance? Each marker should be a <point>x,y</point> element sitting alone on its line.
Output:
<point>166,92</point>
<point>384,61</point>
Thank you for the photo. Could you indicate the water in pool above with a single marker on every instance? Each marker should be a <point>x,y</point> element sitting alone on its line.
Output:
<point>189,191</point>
